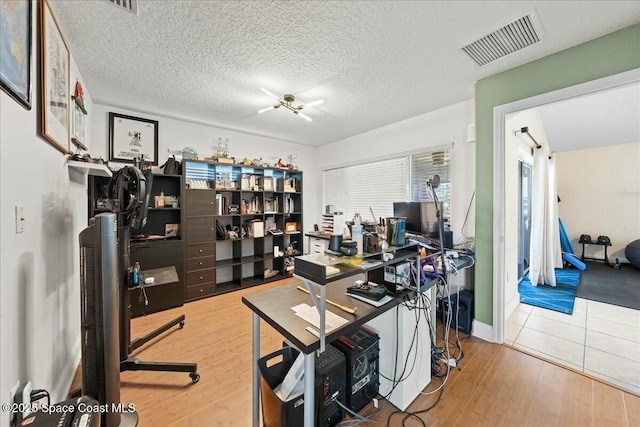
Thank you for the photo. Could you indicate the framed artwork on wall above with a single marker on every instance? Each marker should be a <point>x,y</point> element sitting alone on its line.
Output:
<point>15,50</point>
<point>78,128</point>
<point>130,137</point>
<point>54,81</point>
<point>78,118</point>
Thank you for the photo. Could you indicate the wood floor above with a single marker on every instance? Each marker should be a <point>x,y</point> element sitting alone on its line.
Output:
<point>495,385</point>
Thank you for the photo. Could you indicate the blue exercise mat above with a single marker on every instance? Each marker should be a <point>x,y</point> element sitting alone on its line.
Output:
<point>565,243</point>
<point>559,298</point>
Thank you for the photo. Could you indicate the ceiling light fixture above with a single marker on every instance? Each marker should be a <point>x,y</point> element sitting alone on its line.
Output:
<point>287,102</point>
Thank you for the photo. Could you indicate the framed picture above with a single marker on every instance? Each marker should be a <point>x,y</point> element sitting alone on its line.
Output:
<point>78,127</point>
<point>54,80</point>
<point>130,137</point>
<point>15,56</point>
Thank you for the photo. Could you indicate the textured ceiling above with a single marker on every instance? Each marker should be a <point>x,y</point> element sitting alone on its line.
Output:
<point>608,117</point>
<point>374,63</point>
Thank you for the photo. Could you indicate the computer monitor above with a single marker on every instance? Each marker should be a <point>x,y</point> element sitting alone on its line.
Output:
<point>422,217</point>
<point>410,211</point>
<point>429,219</point>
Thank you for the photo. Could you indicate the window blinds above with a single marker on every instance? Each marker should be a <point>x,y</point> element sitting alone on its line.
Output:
<point>426,165</point>
<point>371,186</point>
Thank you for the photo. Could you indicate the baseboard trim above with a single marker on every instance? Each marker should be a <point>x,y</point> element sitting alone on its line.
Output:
<point>482,331</point>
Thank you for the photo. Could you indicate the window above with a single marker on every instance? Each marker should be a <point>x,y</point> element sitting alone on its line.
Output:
<point>367,187</point>
<point>376,185</point>
<point>426,165</point>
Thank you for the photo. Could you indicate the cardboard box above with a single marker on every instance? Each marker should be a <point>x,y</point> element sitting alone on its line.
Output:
<point>290,227</point>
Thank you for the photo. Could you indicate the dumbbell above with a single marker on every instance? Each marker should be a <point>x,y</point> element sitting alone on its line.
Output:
<point>585,238</point>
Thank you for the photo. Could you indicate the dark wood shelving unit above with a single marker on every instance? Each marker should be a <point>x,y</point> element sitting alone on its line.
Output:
<point>238,262</point>
<point>151,253</point>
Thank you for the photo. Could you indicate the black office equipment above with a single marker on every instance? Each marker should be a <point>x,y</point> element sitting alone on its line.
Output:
<point>330,385</point>
<point>99,317</point>
<point>421,217</point>
<point>361,349</point>
<point>460,307</point>
<point>78,412</point>
<point>368,290</point>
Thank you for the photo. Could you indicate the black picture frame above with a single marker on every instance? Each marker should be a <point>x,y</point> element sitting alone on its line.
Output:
<point>130,137</point>
<point>19,90</point>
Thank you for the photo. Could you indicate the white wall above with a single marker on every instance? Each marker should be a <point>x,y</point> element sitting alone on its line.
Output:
<point>40,291</point>
<point>600,193</point>
<point>421,132</point>
<point>516,147</point>
<point>176,134</point>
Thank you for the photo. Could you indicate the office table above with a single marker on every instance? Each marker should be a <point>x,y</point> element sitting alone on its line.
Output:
<point>274,307</point>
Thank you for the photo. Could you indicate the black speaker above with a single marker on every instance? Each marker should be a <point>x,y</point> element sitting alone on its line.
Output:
<point>585,238</point>
<point>447,240</point>
<point>460,307</point>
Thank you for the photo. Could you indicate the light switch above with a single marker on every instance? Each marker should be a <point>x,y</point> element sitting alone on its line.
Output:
<point>20,220</point>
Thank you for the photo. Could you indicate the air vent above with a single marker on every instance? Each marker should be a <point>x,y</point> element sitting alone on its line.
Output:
<point>128,5</point>
<point>511,38</point>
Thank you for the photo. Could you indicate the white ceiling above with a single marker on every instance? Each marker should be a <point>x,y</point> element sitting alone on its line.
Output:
<point>373,62</point>
<point>608,117</point>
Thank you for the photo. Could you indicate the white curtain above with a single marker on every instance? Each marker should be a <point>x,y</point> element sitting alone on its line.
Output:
<point>546,254</point>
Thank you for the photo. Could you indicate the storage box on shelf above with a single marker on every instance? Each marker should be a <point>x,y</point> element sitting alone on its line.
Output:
<point>237,214</point>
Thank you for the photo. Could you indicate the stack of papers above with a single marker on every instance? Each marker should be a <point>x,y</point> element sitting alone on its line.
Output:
<point>330,270</point>
<point>309,313</point>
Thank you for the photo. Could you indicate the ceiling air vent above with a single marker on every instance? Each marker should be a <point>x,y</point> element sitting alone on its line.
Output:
<point>511,38</point>
<point>128,5</point>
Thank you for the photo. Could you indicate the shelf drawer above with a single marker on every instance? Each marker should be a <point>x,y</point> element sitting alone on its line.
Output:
<point>200,263</point>
<point>199,230</point>
<point>318,246</point>
<point>200,291</point>
<point>200,250</point>
<point>201,202</point>
<point>199,277</point>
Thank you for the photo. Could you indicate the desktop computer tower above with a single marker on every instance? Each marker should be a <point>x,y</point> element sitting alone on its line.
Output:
<point>361,349</point>
<point>460,306</point>
<point>330,385</point>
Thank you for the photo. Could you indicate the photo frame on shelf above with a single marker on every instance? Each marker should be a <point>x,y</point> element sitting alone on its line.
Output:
<point>54,81</point>
<point>15,66</point>
<point>130,137</point>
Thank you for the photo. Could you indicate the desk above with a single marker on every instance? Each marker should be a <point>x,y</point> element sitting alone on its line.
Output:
<point>274,307</point>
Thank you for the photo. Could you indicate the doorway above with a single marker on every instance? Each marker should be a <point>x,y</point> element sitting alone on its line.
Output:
<point>506,260</point>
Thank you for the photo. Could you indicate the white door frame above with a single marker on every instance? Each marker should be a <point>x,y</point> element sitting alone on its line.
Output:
<point>499,209</point>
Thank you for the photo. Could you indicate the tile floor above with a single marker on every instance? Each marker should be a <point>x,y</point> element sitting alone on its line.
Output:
<point>602,340</point>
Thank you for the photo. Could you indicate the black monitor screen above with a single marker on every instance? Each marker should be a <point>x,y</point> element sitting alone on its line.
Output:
<point>429,216</point>
<point>422,217</point>
<point>411,211</point>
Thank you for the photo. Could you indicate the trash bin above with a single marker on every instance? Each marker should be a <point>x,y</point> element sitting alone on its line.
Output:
<point>275,412</point>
